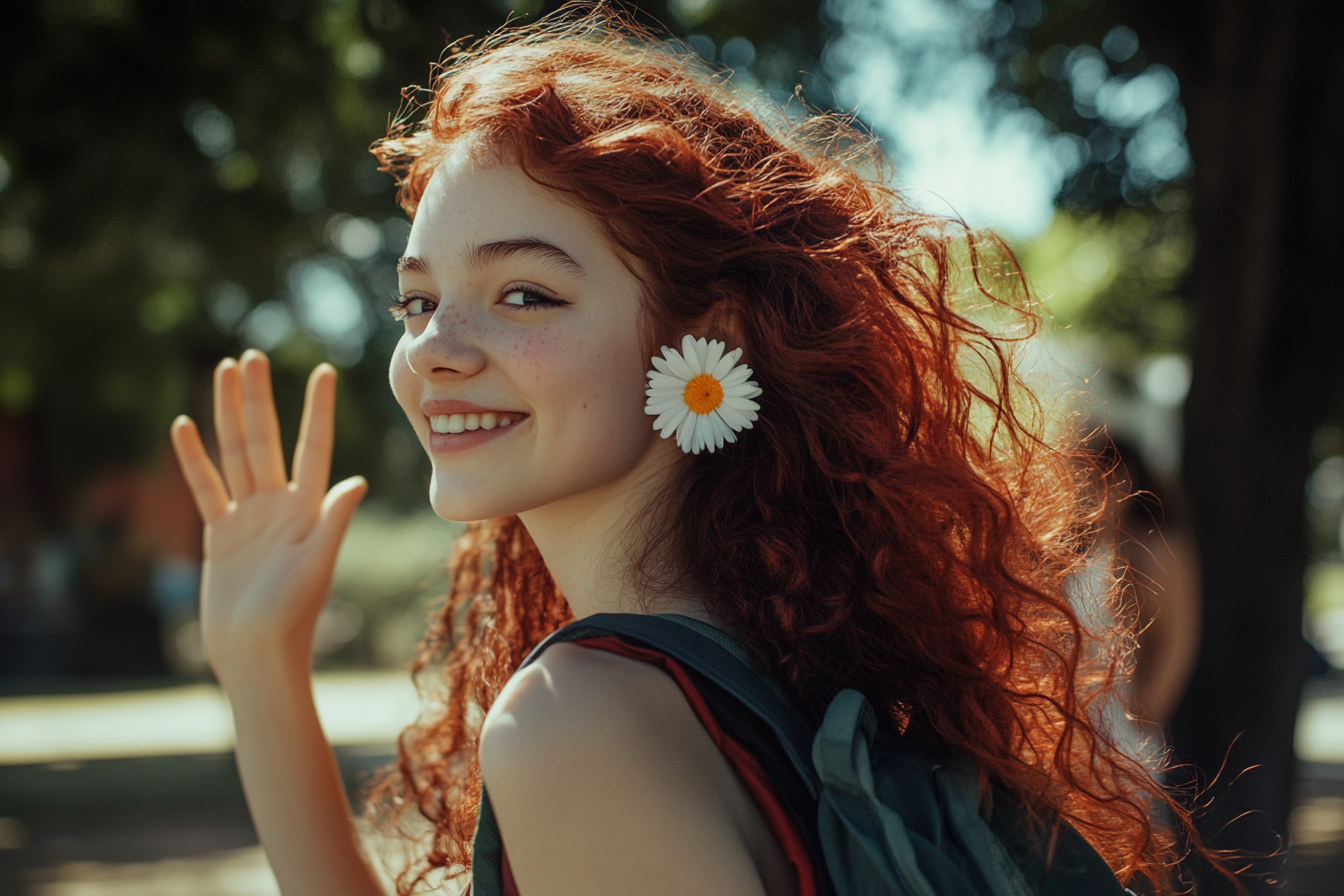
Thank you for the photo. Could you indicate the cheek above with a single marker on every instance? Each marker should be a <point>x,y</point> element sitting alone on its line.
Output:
<point>540,361</point>
<point>584,377</point>
<point>404,381</point>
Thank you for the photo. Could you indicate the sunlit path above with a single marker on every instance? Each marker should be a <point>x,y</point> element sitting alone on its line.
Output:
<point>356,708</point>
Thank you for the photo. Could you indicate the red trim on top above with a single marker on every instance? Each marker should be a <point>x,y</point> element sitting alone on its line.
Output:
<point>746,765</point>
<point>507,884</point>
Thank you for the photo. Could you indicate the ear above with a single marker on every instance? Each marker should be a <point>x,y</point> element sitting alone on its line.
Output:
<point>723,320</point>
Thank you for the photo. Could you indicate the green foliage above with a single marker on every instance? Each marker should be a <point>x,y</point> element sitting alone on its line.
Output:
<point>164,166</point>
<point>1118,277</point>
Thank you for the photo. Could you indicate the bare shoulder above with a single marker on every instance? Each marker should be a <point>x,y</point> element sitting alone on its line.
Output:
<point>570,693</point>
<point>604,781</point>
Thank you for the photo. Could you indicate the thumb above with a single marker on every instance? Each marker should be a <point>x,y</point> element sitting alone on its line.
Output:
<point>337,508</point>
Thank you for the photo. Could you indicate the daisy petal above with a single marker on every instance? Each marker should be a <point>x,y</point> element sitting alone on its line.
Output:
<point>736,377</point>
<point>685,430</point>
<point>664,401</point>
<point>661,366</point>
<point>731,416</point>
<point>661,407</point>
<point>741,404</point>
<point>722,431</point>
<point>668,421</point>
<point>690,350</point>
<point>679,367</point>
<point>742,390</point>
<point>712,355</point>
<point>665,381</point>
<point>725,365</point>
<point>704,434</point>
<point>702,353</point>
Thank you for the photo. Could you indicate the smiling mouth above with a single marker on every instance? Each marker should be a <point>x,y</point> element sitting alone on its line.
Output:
<point>453,423</point>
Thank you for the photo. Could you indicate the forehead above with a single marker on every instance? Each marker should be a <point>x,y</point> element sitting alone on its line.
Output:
<point>473,198</point>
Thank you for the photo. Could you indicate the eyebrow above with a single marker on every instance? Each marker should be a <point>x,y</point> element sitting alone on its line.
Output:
<point>497,250</point>
<point>488,253</point>
<point>411,263</point>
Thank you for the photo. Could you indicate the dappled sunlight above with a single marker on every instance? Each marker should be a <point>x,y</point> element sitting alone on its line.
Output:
<point>243,872</point>
<point>356,708</point>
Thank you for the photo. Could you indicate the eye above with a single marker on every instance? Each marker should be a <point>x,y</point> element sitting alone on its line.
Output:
<point>410,306</point>
<point>529,297</point>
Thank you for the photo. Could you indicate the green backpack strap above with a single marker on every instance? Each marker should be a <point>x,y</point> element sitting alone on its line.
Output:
<point>909,823</point>
<point>960,792</point>
<point>868,850</point>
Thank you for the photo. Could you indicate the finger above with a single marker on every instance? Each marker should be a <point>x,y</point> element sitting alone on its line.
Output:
<point>230,430</point>
<point>207,488</point>
<point>312,455</point>
<point>337,509</point>
<point>265,457</point>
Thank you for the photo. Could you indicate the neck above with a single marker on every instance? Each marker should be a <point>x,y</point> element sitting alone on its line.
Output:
<point>591,541</point>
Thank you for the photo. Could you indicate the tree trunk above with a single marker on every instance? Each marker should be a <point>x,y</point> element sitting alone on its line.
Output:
<point>1264,91</point>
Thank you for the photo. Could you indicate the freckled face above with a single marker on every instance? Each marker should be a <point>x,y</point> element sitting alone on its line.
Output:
<point>516,305</point>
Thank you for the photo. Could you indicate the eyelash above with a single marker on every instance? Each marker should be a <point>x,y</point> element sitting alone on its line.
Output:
<point>539,299</point>
<point>400,307</point>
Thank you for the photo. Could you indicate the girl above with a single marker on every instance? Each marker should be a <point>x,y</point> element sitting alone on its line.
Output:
<point>830,461</point>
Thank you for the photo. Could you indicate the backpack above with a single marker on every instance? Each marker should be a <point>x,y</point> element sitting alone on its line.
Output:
<point>881,816</point>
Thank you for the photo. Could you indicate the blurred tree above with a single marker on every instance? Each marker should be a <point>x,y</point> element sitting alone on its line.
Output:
<point>1263,87</point>
<point>1258,309</point>
<point>1265,91</point>
<point>167,169</point>
<point>178,181</point>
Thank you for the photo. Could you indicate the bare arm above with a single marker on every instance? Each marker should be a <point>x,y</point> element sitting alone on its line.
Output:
<point>270,547</point>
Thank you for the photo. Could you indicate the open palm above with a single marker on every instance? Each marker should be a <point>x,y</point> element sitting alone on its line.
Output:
<point>270,540</point>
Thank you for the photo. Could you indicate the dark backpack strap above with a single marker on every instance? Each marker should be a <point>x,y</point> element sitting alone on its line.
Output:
<point>487,853</point>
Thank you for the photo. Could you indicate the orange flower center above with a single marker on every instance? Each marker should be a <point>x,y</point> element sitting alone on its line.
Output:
<point>703,393</point>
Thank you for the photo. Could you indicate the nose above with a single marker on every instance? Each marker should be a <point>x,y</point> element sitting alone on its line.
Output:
<point>447,348</point>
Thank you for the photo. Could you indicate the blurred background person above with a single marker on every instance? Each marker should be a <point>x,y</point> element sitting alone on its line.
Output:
<point>1155,552</point>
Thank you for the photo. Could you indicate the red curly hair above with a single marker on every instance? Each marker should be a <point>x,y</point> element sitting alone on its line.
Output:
<point>897,522</point>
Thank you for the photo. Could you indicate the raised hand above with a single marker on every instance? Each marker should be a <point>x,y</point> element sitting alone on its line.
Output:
<point>270,540</point>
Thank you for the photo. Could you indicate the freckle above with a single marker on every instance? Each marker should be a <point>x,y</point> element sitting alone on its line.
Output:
<point>585,405</point>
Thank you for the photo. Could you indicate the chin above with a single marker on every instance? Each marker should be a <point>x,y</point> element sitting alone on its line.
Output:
<point>458,505</point>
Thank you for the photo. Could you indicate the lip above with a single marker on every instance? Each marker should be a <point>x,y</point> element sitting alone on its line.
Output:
<point>441,443</point>
<point>434,407</point>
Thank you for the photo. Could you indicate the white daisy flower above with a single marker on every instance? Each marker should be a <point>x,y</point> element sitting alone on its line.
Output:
<point>700,395</point>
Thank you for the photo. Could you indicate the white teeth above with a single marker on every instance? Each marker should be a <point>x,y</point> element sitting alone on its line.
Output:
<point>456,423</point>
